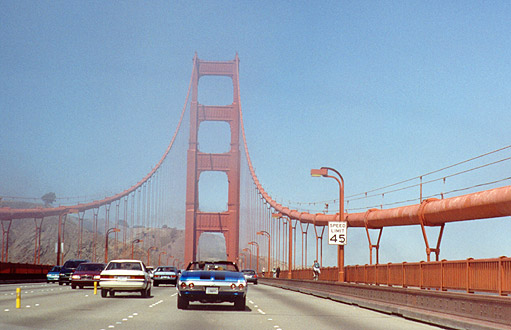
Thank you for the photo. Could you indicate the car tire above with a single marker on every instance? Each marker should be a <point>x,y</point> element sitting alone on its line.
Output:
<point>239,304</point>
<point>182,303</point>
<point>73,286</point>
<point>255,282</point>
<point>112,293</point>
<point>60,283</point>
<point>156,284</point>
<point>104,292</point>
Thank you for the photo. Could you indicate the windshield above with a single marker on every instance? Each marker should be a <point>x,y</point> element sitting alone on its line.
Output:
<point>124,266</point>
<point>55,269</point>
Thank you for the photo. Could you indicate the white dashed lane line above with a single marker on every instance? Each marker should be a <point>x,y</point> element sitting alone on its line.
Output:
<point>125,319</point>
<point>277,327</point>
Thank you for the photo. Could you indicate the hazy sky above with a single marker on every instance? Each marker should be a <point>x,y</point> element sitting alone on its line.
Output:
<point>91,91</point>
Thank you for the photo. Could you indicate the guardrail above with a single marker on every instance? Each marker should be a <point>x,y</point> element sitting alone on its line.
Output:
<point>470,275</point>
<point>17,271</point>
<point>453,310</point>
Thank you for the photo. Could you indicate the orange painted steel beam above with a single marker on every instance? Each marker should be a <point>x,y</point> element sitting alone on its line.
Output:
<point>492,203</point>
<point>481,205</point>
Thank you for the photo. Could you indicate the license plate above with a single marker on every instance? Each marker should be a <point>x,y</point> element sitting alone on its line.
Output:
<point>211,290</point>
<point>122,278</point>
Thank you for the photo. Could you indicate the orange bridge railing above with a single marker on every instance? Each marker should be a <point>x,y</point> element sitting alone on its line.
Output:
<point>470,275</point>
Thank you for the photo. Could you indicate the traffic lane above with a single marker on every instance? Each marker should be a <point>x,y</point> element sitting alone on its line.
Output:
<point>293,310</point>
<point>8,292</point>
<point>78,309</point>
<point>81,309</point>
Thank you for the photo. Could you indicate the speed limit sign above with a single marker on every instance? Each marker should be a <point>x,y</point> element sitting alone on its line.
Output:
<point>337,232</point>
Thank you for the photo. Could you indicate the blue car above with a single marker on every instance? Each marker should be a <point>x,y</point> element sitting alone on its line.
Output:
<point>53,274</point>
<point>212,282</point>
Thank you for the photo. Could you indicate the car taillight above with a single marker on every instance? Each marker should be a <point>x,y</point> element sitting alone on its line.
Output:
<point>137,277</point>
<point>96,277</point>
<point>241,286</point>
<point>233,286</point>
<point>183,285</point>
<point>106,276</point>
<point>156,276</point>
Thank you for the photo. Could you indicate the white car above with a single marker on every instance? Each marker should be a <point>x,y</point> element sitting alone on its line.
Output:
<point>125,276</point>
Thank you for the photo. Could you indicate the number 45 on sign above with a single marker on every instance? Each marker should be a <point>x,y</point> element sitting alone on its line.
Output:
<point>337,232</point>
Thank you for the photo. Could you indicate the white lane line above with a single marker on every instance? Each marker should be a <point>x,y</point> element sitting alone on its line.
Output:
<point>260,311</point>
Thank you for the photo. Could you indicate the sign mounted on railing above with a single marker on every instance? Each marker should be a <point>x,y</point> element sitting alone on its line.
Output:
<point>337,232</point>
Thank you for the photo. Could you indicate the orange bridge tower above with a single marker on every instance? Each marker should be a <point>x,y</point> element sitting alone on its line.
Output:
<point>227,222</point>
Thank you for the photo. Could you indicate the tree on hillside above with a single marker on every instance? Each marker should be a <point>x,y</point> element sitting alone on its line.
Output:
<point>49,198</point>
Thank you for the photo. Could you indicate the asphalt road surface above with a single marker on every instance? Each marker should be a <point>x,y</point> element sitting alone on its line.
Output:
<point>50,306</point>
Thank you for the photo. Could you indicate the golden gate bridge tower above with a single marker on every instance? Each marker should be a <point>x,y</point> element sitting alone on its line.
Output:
<point>227,222</point>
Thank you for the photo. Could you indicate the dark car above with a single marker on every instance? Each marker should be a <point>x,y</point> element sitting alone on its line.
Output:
<point>53,274</point>
<point>250,275</point>
<point>68,269</point>
<point>212,282</point>
<point>86,274</point>
<point>165,275</point>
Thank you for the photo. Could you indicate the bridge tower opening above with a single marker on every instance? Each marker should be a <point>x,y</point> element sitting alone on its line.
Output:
<point>225,222</point>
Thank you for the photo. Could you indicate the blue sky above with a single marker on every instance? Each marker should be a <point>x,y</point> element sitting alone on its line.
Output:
<point>91,91</point>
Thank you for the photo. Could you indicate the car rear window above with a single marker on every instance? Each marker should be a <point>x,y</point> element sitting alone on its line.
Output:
<point>166,269</point>
<point>90,267</point>
<point>72,263</point>
<point>226,266</point>
<point>124,266</point>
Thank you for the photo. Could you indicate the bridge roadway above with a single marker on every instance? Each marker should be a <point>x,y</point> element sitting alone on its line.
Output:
<point>50,306</point>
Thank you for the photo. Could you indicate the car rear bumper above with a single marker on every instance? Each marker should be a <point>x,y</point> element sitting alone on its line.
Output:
<point>124,286</point>
<point>211,298</point>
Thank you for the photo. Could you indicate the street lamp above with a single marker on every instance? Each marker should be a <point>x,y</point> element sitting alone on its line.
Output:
<point>148,251</point>
<point>257,254</point>
<point>111,230</point>
<point>244,261</point>
<point>168,257</point>
<point>138,240</point>
<point>323,171</point>
<point>265,233</point>
<point>250,257</point>
<point>159,257</point>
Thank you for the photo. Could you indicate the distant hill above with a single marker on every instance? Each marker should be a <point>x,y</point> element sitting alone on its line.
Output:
<point>170,240</point>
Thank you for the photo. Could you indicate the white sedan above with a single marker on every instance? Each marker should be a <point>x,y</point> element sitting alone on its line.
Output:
<point>125,276</point>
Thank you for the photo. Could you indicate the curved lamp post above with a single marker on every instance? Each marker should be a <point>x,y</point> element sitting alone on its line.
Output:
<point>265,233</point>
<point>168,258</point>
<point>323,171</point>
<point>249,257</point>
<point>148,252</point>
<point>257,254</point>
<point>159,257</point>
<point>111,230</point>
<point>138,240</point>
